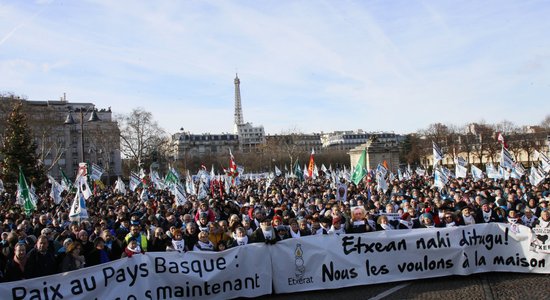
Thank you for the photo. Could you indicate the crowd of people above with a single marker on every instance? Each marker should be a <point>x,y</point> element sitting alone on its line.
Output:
<point>121,226</point>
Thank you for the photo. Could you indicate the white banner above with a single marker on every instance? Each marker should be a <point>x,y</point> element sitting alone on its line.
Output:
<point>336,261</point>
<point>243,271</point>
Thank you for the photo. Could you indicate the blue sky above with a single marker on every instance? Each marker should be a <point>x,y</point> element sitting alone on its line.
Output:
<point>307,66</point>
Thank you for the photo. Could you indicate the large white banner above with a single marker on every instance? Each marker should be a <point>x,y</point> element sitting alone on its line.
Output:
<point>301,264</point>
<point>238,272</point>
<point>332,261</point>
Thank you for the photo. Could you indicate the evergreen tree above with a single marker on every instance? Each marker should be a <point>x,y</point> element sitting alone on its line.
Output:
<point>19,150</point>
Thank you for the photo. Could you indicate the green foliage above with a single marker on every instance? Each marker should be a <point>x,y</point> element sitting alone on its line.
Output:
<point>19,150</point>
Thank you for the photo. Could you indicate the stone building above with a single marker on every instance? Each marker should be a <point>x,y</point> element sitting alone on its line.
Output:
<point>378,151</point>
<point>60,145</point>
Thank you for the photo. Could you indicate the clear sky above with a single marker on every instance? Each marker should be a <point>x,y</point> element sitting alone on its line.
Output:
<point>307,66</point>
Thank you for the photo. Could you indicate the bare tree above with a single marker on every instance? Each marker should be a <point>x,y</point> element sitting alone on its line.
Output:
<point>140,135</point>
<point>546,123</point>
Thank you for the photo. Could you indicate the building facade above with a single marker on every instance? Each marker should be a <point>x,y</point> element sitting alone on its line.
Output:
<point>60,145</point>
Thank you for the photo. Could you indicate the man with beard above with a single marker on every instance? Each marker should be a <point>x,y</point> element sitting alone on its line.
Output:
<point>265,233</point>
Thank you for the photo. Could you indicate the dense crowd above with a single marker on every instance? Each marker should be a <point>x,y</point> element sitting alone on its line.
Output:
<point>48,242</point>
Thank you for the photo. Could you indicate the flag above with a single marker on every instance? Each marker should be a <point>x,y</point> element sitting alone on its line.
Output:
<point>440,178</point>
<point>171,177</point>
<point>359,172</point>
<point>400,175</point>
<point>24,196</point>
<point>297,171</point>
<point>382,170</point>
<point>420,172</point>
<point>120,187</point>
<point>544,160</point>
<point>84,187</point>
<point>385,164</point>
<point>518,171</point>
<point>492,172</point>
<point>461,171</point>
<point>144,196</point>
<point>66,183</point>
<point>233,170</point>
<point>179,195</point>
<point>311,164</point>
<point>536,177</point>
<point>460,161</point>
<point>503,173</point>
<point>277,172</point>
<point>190,185</point>
<point>56,190</point>
<point>477,174</point>
<point>97,171</point>
<point>382,184</point>
<point>438,154</point>
<point>78,208</point>
<point>134,181</point>
<point>1,186</point>
<point>506,159</point>
<point>500,139</point>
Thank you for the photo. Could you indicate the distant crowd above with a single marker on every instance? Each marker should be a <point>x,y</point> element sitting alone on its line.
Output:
<point>121,226</point>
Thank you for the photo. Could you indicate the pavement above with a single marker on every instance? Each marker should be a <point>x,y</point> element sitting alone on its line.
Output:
<point>486,286</point>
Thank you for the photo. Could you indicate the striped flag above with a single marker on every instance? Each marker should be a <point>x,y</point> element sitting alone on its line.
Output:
<point>461,171</point>
<point>500,139</point>
<point>438,154</point>
<point>134,181</point>
<point>536,176</point>
<point>461,161</point>
<point>97,171</point>
<point>506,159</point>
<point>544,160</point>
<point>311,164</point>
<point>440,179</point>
<point>179,195</point>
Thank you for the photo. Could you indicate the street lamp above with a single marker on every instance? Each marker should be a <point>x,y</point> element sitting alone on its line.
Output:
<point>93,118</point>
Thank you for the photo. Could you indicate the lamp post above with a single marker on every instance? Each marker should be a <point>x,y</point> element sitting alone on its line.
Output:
<point>93,118</point>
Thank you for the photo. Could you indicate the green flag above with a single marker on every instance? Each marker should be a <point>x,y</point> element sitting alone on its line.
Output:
<point>359,172</point>
<point>24,196</point>
<point>171,177</point>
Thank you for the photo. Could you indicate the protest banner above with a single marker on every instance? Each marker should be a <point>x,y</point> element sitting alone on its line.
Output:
<point>396,255</point>
<point>237,272</point>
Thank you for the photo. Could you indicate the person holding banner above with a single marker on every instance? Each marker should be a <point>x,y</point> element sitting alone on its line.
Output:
<point>359,222</point>
<point>132,248</point>
<point>543,221</point>
<point>485,214</point>
<point>264,234</point>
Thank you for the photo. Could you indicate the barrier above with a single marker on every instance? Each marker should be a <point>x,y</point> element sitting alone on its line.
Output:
<point>293,265</point>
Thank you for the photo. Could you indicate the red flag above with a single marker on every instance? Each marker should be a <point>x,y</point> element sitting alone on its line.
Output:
<point>311,165</point>
<point>500,139</point>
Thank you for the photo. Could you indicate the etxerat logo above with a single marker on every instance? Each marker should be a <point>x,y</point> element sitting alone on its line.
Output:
<point>300,268</point>
<point>539,242</point>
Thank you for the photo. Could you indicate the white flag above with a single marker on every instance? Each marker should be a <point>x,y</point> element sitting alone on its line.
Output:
<point>440,179</point>
<point>120,187</point>
<point>56,190</point>
<point>84,187</point>
<point>477,174</point>
<point>438,154</point>
<point>179,193</point>
<point>78,208</point>
<point>506,159</point>
<point>278,172</point>
<point>134,181</point>
<point>544,160</point>
<point>461,171</point>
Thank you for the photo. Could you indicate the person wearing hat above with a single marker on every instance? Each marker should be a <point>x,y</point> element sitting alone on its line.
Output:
<point>427,221</point>
<point>282,232</point>
<point>204,208</point>
<point>336,227</point>
<point>264,234</point>
<point>407,222</point>
<point>485,214</point>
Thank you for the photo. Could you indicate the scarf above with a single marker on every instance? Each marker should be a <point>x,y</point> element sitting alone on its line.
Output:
<point>268,234</point>
<point>544,224</point>
<point>178,245</point>
<point>205,246</point>
<point>487,216</point>
<point>408,224</point>
<point>452,224</point>
<point>295,234</point>
<point>130,252</point>
<point>241,241</point>
<point>386,226</point>
<point>469,220</point>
